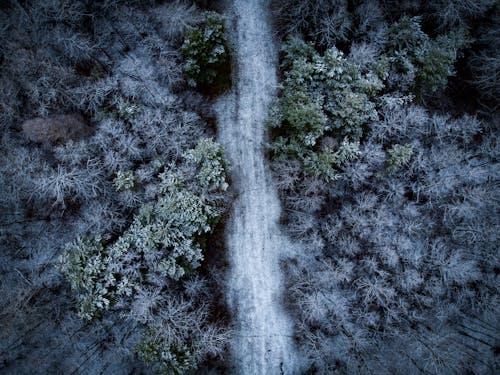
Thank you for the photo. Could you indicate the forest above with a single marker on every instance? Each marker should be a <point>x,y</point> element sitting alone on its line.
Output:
<point>117,190</point>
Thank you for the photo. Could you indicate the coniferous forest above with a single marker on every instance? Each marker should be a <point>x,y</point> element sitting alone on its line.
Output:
<point>117,191</point>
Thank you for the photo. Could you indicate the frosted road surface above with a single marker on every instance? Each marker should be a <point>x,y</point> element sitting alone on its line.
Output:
<point>262,343</point>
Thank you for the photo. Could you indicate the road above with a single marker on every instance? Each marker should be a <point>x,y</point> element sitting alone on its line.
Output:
<point>263,342</point>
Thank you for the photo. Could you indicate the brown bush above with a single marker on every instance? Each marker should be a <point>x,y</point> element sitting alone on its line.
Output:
<point>56,129</point>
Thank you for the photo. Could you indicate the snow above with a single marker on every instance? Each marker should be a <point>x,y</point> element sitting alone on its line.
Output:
<point>263,342</point>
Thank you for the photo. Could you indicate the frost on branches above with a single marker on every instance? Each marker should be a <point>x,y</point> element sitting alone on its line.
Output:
<point>163,244</point>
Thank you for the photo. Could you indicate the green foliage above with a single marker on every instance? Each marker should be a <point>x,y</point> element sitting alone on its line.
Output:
<point>406,34</point>
<point>350,111</point>
<point>322,96</point>
<point>304,116</point>
<point>127,109</point>
<point>84,264</point>
<point>166,230</point>
<point>399,156</point>
<point>381,68</point>
<point>167,359</point>
<point>124,181</point>
<point>164,239</point>
<point>209,158</point>
<point>431,60</point>
<point>437,59</point>
<point>333,95</point>
<point>205,51</point>
<point>326,162</point>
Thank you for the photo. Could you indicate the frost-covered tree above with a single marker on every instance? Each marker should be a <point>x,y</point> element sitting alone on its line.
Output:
<point>431,61</point>
<point>93,110</point>
<point>206,52</point>
<point>325,22</point>
<point>323,97</point>
<point>398,242</point>
<point>485,63</point>
<point>163,244</point>
<point>386,249</point>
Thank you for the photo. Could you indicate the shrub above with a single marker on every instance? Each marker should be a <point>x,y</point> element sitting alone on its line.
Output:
<point>206,52</point>
<point>84,265</point>
<point>339,88</point>
<point>125,181</point>
<point>126,109</point>
<point>399,156</point>
<point>172,359</point>
<point>208,157</point>
<point>303,115</point>
<point>406,35</point>
<point>327,162</point>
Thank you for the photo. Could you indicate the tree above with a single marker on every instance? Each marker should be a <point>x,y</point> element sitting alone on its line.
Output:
<point>323,97</point>
<point>485,62</point>
<point>324,22</point>
<point>430,60</point>
<point>206,52</point>
<point>163,241</point>
<point>163,244</point>
<point>114,64</point>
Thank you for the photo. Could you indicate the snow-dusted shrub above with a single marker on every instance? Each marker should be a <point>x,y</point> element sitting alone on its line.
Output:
<point>326,162</point>
<point>437,59</point>
<point>399,156</point>
<point>173,359</point>
<point>406,34</point>
<point>125,181</point>
<point>208,157</point>
<point>127,109</point>
<point>84,265</point>
<point>341,90</point>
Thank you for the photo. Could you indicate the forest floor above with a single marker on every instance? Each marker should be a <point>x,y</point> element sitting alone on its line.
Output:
<point>263,340</point>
